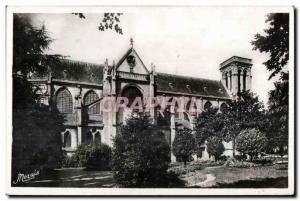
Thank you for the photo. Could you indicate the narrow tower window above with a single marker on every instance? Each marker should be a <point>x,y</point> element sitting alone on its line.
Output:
<point>230,80</point>
<point>239,81</point>
<point>244,80</point>
<point>226,79</point>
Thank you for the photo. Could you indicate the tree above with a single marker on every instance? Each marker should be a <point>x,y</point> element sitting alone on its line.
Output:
<point>208,123</point>
<point>277,129</point>
<point>110,21</point>
<point>29,45</point>
<point>36,128</point>
<point>141,154</point>
<point>184,145</point>
<point>215,147</point>
<point>251,142</point>
<point>274,41</point>
<point>244,112</point>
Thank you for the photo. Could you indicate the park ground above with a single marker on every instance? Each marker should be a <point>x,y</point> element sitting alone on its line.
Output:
<point>219,176</point>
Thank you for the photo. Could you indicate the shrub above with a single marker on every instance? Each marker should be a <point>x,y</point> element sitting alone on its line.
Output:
<point>251,141</point>
<point>184,145</point>
<point>36,139</point>
<point>215,147</point>
<point>141,155</point>
<point>93,157</point>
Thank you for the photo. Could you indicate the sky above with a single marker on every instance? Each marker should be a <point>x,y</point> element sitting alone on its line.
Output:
<point>189,41</point>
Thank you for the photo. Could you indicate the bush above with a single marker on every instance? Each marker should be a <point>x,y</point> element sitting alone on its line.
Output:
<point>36,139</point>
<point>184,145</point>
<point>263,161</point>
<point>141,155</point>
<point>92,157</point>
<point>251,142</point>
<point>215,147</point>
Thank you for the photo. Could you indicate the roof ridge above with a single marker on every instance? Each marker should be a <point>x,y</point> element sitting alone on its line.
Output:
<point>191,77</point>
<point>82,62</point>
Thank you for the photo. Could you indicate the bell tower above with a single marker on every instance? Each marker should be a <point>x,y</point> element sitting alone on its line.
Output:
<point>236,74</point>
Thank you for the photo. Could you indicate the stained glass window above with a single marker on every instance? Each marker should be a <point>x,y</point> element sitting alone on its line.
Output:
<point>64,101</point>
<point>89,98</point>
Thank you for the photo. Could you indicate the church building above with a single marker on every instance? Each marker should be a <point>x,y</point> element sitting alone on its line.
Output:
<point>78,90</point>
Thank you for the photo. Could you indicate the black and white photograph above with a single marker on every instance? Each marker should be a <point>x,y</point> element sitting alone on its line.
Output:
<point>172,100</point>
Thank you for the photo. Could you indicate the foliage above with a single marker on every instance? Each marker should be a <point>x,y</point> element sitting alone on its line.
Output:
<point>36,139</point>
<point>242,113</point>
<point>208,124</point>
<point>274,41</point>
<point>215,147</point>
<point>36,128</point>
<point>141,154</point>
<point>29,45</point>
<point>251,141</point>
<point>184,145</point>
<point>23,93</point>
<point>95,156</point>
<point>110,21</point>
<point>277,129</point>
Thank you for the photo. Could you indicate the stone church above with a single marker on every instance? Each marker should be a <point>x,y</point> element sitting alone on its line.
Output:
<point>77,90</point>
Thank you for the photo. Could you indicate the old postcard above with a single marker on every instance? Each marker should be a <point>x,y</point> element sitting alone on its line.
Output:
<point>150,101</point>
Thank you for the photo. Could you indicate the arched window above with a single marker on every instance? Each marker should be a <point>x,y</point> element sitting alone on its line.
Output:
<point>226,79</point>
<point>223,107</point>
<point>191,107</point>
<point>88,138</point>
<point>89,98</point>
<point>67,139</point>
<point>230,76</point>
<point>131,93</point>
<point>64,102</point>
<point>244,80</point>
<point>207,106</point>
<point>97,138</point>
<point>239,81</point>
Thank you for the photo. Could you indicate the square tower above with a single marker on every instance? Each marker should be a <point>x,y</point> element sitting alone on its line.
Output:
<point>236,74</point>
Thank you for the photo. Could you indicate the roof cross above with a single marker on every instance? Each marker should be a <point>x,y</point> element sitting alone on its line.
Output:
<point>131,42</point>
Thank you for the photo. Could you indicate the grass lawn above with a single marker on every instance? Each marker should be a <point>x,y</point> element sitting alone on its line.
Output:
<point>255,177</point>
<point>72,177</point>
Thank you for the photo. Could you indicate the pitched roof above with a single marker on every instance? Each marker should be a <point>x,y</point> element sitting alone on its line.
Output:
<point>190,85</point>
<point>74,71</point>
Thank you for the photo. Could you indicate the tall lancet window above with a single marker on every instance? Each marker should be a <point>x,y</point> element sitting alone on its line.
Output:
<point>239,81</point>
<point>230,80</point>
<point>226,79</point>
<point>244,80</point>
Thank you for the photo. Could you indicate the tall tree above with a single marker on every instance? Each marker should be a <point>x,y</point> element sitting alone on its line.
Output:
<point>36,129</point>
<point>29,45</point>
<point>274,41</point>
<point>209,123</point>
<point>277,129</point>
<point>244,112</point>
